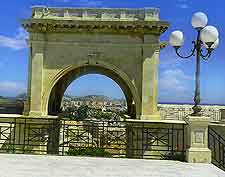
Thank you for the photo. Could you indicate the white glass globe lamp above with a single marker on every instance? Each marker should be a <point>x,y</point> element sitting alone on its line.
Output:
<point>214,45</point>
<point>176,39</point>
<point>209,35</point>
<point>199,20</point>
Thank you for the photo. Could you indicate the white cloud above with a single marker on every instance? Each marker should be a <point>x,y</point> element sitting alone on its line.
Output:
<point>176,73</point>
<point>91,3</point>
<point>168,58</point>
<point>9,88</point>
<point>169,61</point>
<point>174,84</point>
<point>66,1</point>
<point>17,43</point>
<point>86,3</point>
<point>182,1</point>
<point>183,4</point>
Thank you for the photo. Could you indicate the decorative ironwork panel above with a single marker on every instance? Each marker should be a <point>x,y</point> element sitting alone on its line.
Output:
<point>107,135</point>
<point>217,145</point>
<point>157,141</point>
<point>93,138</point>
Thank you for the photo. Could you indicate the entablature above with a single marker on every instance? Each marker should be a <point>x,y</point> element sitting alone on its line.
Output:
<point>104,20</point>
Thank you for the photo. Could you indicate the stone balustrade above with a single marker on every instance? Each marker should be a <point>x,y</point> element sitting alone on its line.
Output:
<point>179,112</point>
<point>101,14</point>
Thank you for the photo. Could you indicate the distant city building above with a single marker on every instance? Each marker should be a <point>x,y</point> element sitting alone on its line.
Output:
<point>96,102</point>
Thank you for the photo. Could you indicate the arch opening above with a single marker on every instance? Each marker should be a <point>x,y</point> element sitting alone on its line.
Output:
<point>58,90</point>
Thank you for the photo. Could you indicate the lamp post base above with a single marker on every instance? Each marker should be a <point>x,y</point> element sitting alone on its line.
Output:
<point>197,110</point>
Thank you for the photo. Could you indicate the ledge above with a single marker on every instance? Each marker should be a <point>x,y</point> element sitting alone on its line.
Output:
<point>157,121</point>
<point>51,25</point>
<point>27,117</point>
<point>11,115</point>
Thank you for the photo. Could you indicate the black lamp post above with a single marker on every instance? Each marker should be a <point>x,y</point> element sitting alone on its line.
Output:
<point>207,37</point>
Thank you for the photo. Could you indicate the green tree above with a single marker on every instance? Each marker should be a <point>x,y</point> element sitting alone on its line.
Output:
<point>82,112</point>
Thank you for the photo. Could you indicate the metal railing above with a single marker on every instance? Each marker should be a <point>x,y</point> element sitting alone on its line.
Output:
<point>217,145</point>
<point>21,135</point>
<point>110,138</point>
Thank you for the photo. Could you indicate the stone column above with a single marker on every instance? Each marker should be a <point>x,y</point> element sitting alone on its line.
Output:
<point>149,110</point>
<point>198,151</point>
<point>36,78</point>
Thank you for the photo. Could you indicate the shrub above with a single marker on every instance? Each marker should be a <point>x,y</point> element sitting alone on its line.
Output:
<point>91,152</point>
<point>174,156</point>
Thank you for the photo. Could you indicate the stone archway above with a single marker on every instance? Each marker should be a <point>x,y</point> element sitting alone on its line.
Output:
<point>122,44</point>
<point>67,76</point>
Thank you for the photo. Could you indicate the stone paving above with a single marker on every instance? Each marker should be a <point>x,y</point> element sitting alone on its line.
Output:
<point>57,166</point>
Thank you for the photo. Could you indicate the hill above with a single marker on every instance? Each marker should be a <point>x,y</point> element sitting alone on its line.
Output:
<point>11,106</point>
<point>99,98</point>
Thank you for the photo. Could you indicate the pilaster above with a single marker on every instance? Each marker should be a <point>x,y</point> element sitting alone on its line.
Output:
<point>150,84</point>
<point>36,78</point>
<point>26,109</point>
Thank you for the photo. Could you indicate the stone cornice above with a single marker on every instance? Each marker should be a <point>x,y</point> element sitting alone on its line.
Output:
<point>95,20</point>
<point>138,27</point>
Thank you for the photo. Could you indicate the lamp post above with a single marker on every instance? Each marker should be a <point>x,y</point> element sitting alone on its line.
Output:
<point>208,38</point>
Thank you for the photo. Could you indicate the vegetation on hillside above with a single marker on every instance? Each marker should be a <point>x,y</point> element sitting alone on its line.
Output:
<point>85,112</point>
<point>99,98</point>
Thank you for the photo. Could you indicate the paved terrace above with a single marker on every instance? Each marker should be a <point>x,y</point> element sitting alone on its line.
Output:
<point>58,166</point>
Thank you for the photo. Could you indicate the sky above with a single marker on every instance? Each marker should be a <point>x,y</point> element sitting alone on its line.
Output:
<point>176,76</point>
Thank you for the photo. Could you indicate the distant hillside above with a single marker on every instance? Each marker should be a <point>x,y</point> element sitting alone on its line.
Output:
<point>22,96</point>
<point>94,98</point>
<point>100,98</point>
<point>4,100</point>
<point>11,105</point>
<point>9,100</point>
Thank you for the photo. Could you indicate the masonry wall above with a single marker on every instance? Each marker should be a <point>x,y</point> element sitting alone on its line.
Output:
<point>179,112</point>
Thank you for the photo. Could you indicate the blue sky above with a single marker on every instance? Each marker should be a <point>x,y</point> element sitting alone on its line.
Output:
<point>176,76</point>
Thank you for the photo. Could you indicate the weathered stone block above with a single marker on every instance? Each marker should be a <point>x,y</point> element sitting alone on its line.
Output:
<point>198,155</point>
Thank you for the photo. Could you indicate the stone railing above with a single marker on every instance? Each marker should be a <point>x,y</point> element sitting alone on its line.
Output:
<point>179,112</point>
<point>100,14</point>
